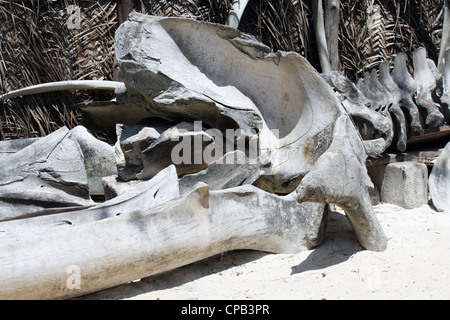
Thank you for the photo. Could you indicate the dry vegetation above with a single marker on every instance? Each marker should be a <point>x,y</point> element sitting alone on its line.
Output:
<point>36,46</point>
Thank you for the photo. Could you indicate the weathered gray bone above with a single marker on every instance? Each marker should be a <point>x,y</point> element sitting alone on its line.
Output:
<point>379,99</point>
<point>63,85</point>
<point>178,62</point>
<point>232,170</point>
<point>439,181</point>
<point>180,76</point>
<point>174,70</point>
<point>445,98</point>
<point>138,244</point>
<point>349,186</point>
<point>145,195</point>
<point>357,105</point>
<point>400,129</point>
<point>47,173</point>
<point>408,88</point>
<point>236,12</point>
<point>426,84</point>
<point>98,157</point>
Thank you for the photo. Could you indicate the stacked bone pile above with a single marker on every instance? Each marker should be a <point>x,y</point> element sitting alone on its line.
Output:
<point>410,103</point>
<point>184,81</point>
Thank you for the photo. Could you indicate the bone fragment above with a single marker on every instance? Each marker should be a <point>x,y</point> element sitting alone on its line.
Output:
<point>426,83</point>
<point>48,173</point>
<point>236,12</point>
<point>439,181</point>
<point>321,39</point>
<point>400,129</point>
<point>63,85</point>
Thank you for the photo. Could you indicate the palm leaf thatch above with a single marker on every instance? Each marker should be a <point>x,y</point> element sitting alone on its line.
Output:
<point>37,46</point>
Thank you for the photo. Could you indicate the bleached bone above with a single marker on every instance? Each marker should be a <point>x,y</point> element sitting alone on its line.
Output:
<point>377,103</point>
<point>400,129</point>
<point>439,181</point>
<point>63,86</point>
<point>445,40</point>
<point>374,103</point>
<point>348,186</point>
<point>445,98</point>
<point>236,12</point>
<point>98,157</point>
<point>332,18</point>
<point>49,173</point>
<point>138,244</point>
<point>226,172</point>
<point>408,88</point>
<point>321,38</point>
<point>147,194</point>
<point>357,105</point>
<point>174,67</point>
<point>426,84</point>
<point>387,99</point>
<point>161,152</point>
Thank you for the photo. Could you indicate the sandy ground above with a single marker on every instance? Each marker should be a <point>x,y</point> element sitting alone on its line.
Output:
<point>416,265</point>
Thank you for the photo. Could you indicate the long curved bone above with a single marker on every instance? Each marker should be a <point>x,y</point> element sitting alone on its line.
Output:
<point>426,83</point>
<point>400,126</point>
<point>63,86</point>
<point>176,67</point>
<point>236,12</point>
<point>321,37</point>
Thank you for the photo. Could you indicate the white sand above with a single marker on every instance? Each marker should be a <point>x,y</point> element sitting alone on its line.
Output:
<point>416,265</point>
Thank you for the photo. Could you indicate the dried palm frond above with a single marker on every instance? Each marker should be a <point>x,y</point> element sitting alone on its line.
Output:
<point>37,46</point>
<point>282,25</point>
<point>376,30</point>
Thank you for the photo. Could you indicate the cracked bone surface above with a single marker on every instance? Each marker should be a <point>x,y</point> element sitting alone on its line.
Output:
<point>445,98</point>
<point>439,181</point>
<point>400,128</point>
<point>183,71</point>
<point>137,244</point>
<point>356,105</point>
<point>426,83</point>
